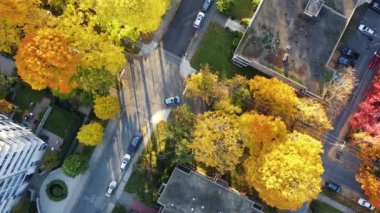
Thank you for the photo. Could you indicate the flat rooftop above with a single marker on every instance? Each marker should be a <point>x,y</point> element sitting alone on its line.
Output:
<point>282,38</point>
<point>193,192</point>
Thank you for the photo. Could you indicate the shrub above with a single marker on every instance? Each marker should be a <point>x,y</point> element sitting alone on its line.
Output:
<point>56,190</point>
<point>224,6</point>
<point>245,22</point>
<point>255,4</point>
<point>75,165</point>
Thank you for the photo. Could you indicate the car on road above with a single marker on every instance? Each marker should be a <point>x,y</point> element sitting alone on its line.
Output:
<point>375,6</point>
<point>366,31</point>
<point>136,140</point>
<point>333,187</point>
<point>125,161</point>
<point>206,5</point>
<point>198,20</point>
<point>111,187</point>
<point>366,204</point>
<point>345,61</point>
<point>349,53</point>
<point>172,101</point>
<point>374,61</point>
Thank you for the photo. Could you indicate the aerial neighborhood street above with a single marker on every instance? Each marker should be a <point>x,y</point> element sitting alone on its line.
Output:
<point>189,106</point>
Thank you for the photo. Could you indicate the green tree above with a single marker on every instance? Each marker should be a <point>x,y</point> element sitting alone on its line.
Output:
<point>91,134</point>
<point>5,85</point>
<point>50,160</point>
<point>75,165</point>
<point>94,80</point>
<point>217,142</point>
<point>224,6</point>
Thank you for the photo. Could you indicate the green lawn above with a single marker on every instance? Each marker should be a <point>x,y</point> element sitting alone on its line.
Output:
<point>143,186</point>
<point>317,206</point>
<point>25,95</point>
<point>345,201</point>
<point>216,50</point>
<point>241,9</point>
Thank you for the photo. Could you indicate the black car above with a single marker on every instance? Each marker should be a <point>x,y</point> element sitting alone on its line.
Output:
<point>349,53</point>
<point>375,6</point>
<point>206,5</point>
<point>333,187</point>
<point>136,140</point>
<point>345,61</point>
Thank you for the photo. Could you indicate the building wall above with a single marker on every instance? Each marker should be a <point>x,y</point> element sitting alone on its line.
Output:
<point>20,152</point>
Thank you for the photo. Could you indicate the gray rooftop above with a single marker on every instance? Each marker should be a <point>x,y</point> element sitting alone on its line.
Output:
<point>193,192</point>
<point>313,7</point>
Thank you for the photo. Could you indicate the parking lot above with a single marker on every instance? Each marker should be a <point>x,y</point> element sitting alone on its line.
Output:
<point>356,40</point>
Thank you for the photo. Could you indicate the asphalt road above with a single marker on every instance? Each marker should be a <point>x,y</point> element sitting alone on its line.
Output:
<point>181,30</point>
<point>342,171</point>
<point>145,85</point>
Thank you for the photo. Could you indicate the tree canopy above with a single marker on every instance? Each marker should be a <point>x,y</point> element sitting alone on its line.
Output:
<point>10,36</point>
<point>75,165</point>
<point>217,141</point>
<point>94,80</point>
<point>106,107</point>
<point>91,134</point>
<point>289,174</point>
<point>46,59</point>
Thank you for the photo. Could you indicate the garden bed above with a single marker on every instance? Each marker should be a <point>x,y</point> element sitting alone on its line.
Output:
<point>56,190</point>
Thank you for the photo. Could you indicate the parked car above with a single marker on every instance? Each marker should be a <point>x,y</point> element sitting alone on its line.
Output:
<point>375,6</point>
<point>206,5</point>
<point>349,53</point>
<point>172,101</point>
<point>125,161</point>
<point>198,21</point>
<point>136,140</point>
<point>111,187</point>
<point>366,31</point>
<point>345,61</point>
<point>366,204</point>
<point>333,187</point>
<point>374,61</point>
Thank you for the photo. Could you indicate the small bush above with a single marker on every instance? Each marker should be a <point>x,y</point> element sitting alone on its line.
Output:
<point>56,190</point>
<point>224,6</point>
<point>245,22</point>
<point>75,165</point>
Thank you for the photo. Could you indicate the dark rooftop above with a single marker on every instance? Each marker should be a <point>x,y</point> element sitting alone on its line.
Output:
<point>282,38</point>
<point>193,192</point>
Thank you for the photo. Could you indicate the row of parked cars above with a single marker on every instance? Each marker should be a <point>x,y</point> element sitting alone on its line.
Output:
<point>336,188</point>
<point>201,14</point>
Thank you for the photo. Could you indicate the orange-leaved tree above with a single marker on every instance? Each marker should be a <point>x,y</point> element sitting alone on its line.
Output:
<point>15,11</point>
<point>45,59</point>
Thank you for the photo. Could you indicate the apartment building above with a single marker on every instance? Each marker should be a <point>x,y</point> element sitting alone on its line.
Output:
<point>20,152</point>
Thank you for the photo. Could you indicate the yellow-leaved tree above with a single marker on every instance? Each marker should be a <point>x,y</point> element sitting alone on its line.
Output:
<point>15,11</point>
<point>46,59</point>
<point>91,134</point>
<point>217,141</point>
<point>145,16</point>
<point>314,114</point>
<point>274,97</point>
<point>288,175</point>
<point>10,36</point>
<point>106,107</point>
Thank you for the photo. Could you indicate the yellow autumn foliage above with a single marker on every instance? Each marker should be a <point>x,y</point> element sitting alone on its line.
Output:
<point>106,107</point>
<point>91,134</point>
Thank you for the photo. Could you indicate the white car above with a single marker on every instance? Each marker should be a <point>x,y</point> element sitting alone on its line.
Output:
<point>366,31</point>
<point>198,20</point>
<point>111,187</point>
<point>366,204</point>
<point>172,101</point>
<point>125,161</point>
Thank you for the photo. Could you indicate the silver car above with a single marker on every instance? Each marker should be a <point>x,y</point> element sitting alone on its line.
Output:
<point>125,161</point>
<point>172,101</point>
<point>198,21</point>
<point>111,187</point>
<point>366,204</point>
<point>369,32</point>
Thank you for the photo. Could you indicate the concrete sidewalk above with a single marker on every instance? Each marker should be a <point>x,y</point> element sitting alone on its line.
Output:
<point>335,204</point>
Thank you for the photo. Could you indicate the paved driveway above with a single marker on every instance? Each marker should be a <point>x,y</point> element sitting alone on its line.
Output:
<point>146,83</point>
<point>181,31</point>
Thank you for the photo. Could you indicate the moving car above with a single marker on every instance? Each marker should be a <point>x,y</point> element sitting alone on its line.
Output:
<point>172,101</point>
<point>333,187</point>
<point>198,21</point>
<point>366,204</point>
<point>136,140</point>
<point>366,31</point>
<point>125,161</point>
<point>375,6</point>
<point>206,5</point>
<point>345,61</point>
<point>111,187</point>
<point>349,53</point>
